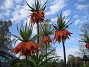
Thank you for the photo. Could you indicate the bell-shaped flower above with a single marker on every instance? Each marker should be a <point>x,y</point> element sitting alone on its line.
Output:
<point>37,10</point>
<point>27,46</point>
<point>61,32</point>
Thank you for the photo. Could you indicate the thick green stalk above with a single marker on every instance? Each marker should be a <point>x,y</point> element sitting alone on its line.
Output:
<point>38,36</point>
<point>26,61</point>
<point>64,52</point>
<point>46,53</point>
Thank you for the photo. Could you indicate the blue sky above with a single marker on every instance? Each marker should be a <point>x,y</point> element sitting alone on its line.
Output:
<point>78,10</point>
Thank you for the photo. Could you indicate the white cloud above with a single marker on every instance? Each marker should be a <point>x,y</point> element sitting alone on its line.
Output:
<point>67,13</point>
<point>18,1</point>
<point>2,7</point>
<point>77,22</point>
<point>81,7</point>
<point>69,51</point>
<point>8,4</point>
<point>17,7</point>
<point>7,13</point>
<point>54,19</point>
<point>16,16</point>
<point>31,2</point>
<point>72,39</point>
<point>76,16</point>
<point>23,13</point>
<point>20,14</point>
<point>57,5</point>
<point>35,29</point>
<point>27,21</point>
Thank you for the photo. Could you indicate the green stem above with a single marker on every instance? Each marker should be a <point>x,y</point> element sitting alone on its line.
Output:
<point>38,36</point>
<point>46,53</point>
<point>26,61</point>
<point>64,52</point>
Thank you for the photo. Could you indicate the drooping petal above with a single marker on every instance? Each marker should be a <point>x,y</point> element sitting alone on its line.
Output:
<point>37,16</point>
<point>32,47</point>
<point>61,35</point>
<point>87,45</point>
<point>46,39</point>
<point>20,48</point>
<point>27,48</point>
<point>28,45</point>
<point>34,17</point>
<point>41,15</point>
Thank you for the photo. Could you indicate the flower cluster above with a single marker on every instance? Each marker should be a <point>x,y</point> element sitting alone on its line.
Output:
<point>37,16</point>
<point>28,48</point>
<point>61,32</point>
<point>46,39</point>
<point>61,35</point>
<point>46,31</point>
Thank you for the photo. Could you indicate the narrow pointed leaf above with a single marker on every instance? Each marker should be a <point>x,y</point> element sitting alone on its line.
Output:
<point>30,7</point>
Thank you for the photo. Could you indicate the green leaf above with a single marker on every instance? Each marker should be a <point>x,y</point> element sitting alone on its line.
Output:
<point>33,60</point>
<point>22,34</point>
<point>32,9</point>
<point>18,29</point>
<point>41,57</point>
<point>55,27</point>
<point>38,6</point>
<point>44,62</point>
<point>43,7</point>
<point>35,37</point>
<point>17,37</point>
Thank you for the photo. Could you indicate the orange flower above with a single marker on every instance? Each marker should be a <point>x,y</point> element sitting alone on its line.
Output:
<point>37,16</point>
<point>58,35</point>
<point>87,45</point>
<point>41,15</point>
<point>28,48</point>
<point>20,48</point>
<point>34,17</point>
<point>46,39</point>
<point>32,47</point>
<point>61,35</point>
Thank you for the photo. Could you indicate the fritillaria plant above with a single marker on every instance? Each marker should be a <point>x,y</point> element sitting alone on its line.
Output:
<point>46,32</point>
<point>27,46</point>
<point>85,39</point>
<point>37,14</point>
<point>61,33</point>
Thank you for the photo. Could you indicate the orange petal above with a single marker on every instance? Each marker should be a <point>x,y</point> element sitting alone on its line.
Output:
<point>28,45</point>
<point>18,48</point>
<point>87,45</point>
<point>46,39</point>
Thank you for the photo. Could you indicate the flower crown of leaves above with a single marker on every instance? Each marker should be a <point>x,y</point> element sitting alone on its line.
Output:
<point>85,38</point>
<point>46,29</point>
<point>62,22</point>
<point>25,32</point>
<point>37,6</point>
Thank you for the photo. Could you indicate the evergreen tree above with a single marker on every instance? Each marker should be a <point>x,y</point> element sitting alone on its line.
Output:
<point>5,40</point>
